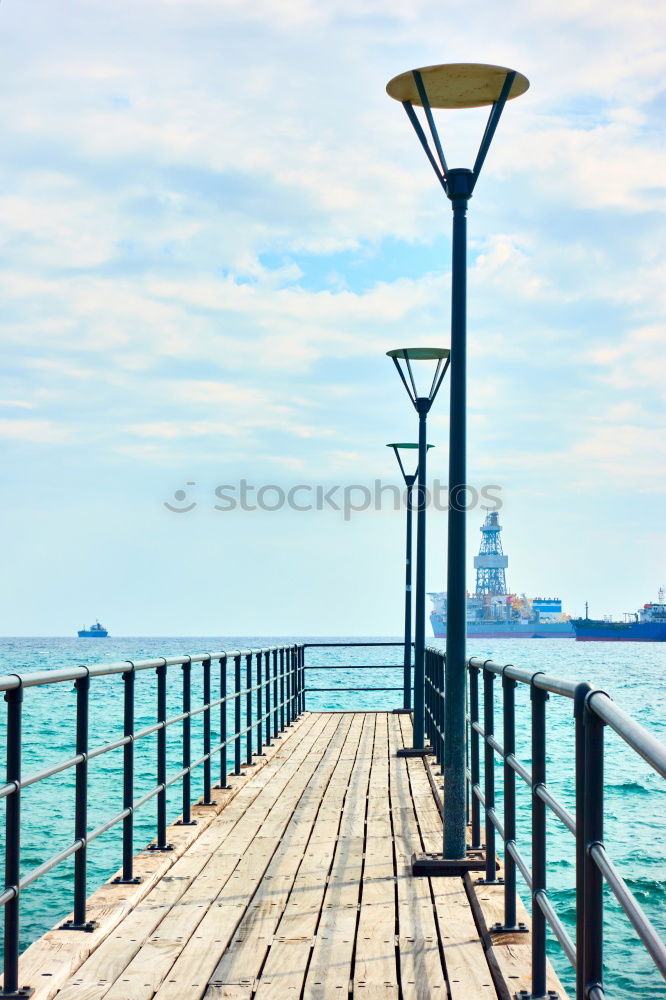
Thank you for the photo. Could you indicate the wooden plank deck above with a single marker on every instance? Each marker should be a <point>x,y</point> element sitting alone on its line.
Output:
<point>299,885</point>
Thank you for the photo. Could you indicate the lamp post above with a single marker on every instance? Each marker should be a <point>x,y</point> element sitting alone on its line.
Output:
<point>422,403</point>
<point>410,479</point>
<point>457,85</point>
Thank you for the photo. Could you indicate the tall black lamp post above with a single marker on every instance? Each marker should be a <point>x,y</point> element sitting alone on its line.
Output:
<point>410,479</point>
<point>422,403</point>
<point>457,85</point>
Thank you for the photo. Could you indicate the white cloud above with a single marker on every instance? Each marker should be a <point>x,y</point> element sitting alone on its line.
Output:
<point>178,174</point>
<point>33,431</point>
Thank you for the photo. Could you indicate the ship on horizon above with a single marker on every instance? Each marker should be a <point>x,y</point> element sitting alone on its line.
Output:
<point>648,624</point>
<point>95,631</point>
<point>492,612</point>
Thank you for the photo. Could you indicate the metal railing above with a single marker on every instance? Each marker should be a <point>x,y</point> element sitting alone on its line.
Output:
<point>594,710</point>
<point>268,693</point>
<point>268,683</point>
<point>351,666</point>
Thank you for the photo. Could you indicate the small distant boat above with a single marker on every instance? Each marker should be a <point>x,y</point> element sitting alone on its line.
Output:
<point>95,631</point>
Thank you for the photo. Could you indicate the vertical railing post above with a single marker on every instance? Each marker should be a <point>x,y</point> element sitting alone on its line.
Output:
<point>161,843</point>
<point>260,658</point>
<point>207,779</point>
<point>223,722</point>
<point>275,694</point>
<point>289,681</point>
<point>301,660</point>
<point>593,938</point>
<point>237,715</point>
<point>468,782</point>
<point>539,699</point>
<point>509,739</point>
<point>580,696</point>
<point>82,686</point>
<point>282,688</point>
<point>248,709</point>
<point>14,699</point>
<point>78,921</point>
<point>128,877</point>
<point>439,663</point>
<point>267,687</point>
<point>186,819</point>
<point>489,771</point>
<point>427,681</point>
<point>474,754</point>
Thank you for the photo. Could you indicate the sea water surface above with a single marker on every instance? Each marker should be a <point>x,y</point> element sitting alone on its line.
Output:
<point>635,815</point>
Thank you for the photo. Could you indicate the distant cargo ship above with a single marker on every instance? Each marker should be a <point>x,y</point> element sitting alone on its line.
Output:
<point>648,625</point>
<point>95,631</point>
<point>492,613</point>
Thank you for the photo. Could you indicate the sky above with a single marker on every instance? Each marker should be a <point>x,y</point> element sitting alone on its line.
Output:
<point>214,223</point>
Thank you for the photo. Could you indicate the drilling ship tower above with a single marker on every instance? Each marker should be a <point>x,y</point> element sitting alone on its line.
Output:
<point>494,613</point>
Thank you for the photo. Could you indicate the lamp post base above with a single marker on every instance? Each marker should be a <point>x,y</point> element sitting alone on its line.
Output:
<point>433,865</point>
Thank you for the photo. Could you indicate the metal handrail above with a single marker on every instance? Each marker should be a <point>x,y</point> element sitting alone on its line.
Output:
<point>593,710</point>
<point>9,682</point>
<point>279,698</point>
<point>341,666</point>
<point>268,681</point>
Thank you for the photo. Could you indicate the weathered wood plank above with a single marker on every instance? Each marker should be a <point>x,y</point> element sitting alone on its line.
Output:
<point>207,915</point>
<point>329,972</point>
<point>50,961</point>
<point>284,971</point>
<point>243,959</point>
<point>193,961</point>
<point>512,951</point>
<point>302,886</point>
<point>375,966</point>
<point>117,951</point>
<point>421,973</point>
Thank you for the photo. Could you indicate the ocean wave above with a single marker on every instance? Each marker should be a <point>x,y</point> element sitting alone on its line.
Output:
<point>635,786</point>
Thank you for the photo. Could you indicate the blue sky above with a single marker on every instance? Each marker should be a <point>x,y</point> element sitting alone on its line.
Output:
<point>214,223</point>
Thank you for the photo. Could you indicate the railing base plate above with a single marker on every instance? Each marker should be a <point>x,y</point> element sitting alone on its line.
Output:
<point>182,822</point>
<point>156,847</point>
<point>502,929</point>
<point>207,805</point>
<point>433,865</point>
<point>89,926</point>
<point>401,711</point>
<point>22,991</point>
<point>137,880</point>
<point>414,752</point>
<point>526,995</point>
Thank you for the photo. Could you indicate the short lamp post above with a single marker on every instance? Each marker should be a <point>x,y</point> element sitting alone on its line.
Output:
<point>410,479</point>
<point>403,358</point>
<point>457,85</point>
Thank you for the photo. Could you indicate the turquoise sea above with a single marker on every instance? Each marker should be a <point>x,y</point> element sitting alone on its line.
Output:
<point>633,674</point>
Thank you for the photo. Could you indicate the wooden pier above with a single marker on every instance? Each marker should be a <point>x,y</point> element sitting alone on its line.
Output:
<point>297,884</point>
